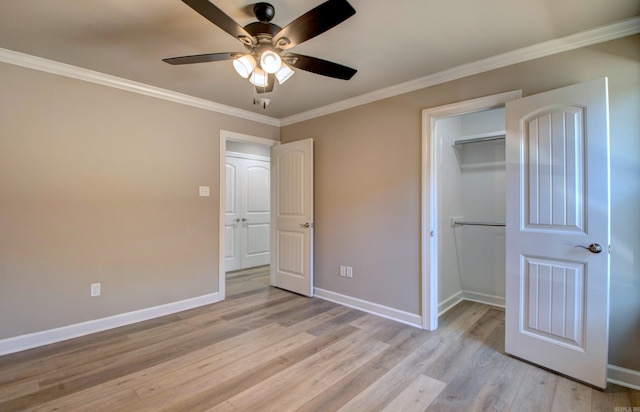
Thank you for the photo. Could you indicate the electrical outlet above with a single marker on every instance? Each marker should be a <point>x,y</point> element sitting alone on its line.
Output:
<point>95,289</point>
<point>349,272</point>
<point>203,191</point>
<point>343,271</point>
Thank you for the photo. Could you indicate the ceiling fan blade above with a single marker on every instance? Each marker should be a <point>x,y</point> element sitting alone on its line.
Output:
<point>319,66</point>
<point>316,21</point>
<point>271,80</point>
<point>216,16</point>
<point>202,58</point>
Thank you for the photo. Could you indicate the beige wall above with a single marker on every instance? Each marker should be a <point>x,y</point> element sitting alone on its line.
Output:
<point>367,182</point>
<point>101,185</point>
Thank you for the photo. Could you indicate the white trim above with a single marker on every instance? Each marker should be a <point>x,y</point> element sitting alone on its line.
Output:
<point>623,377</point>
<point>222,183</point>
<point>497,301</point>
<point>448,303</point>
<point>74,72</point>
<point>46,337</point>
<point>613,31</point>
<point>429,199</point>
<point>453,300</point>
<point>369,307</point>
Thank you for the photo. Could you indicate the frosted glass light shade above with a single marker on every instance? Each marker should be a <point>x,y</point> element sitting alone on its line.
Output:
<point>259,78</point>
<point>244,65</point>
<point>270,61</point>
<point>284,73</point>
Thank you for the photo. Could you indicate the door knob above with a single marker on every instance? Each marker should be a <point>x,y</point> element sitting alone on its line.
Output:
<point>593,248</point>
<point>244,219</point>
<point>237,219</point>
<point>304,225</point>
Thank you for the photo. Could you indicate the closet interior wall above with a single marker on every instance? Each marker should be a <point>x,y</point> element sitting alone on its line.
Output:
<point>471,182</point>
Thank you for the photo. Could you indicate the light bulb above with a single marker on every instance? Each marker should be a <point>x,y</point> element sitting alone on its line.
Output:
<point>270,61</point>
<point>259,78</point>
<point>284,73</point>
<point>244,65</point>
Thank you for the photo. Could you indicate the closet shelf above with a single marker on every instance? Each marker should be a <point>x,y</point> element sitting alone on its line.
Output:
<point>475,223</point>
<point>483,150</point>
<point>480,137</point>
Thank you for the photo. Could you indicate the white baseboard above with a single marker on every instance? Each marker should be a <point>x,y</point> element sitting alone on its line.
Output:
<point>458,297</point>
<point>370,307</point>
<point>32,340</point>
<point>449,302</point>
<point>483,298</point>
<point>623,377</point>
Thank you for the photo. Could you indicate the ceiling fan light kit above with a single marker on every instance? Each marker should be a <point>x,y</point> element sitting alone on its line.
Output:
<point>266,43</point>
<point>270,61</point>
<point>244,65</point>
<point>259,78</point>
<point>284,73</point>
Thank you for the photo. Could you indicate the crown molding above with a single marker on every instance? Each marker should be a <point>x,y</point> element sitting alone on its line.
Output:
<point>613,31</point>
<point>62,69</point>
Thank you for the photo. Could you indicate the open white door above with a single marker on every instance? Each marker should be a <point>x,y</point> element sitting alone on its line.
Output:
<point>557,265</point>
<point>292,216</point>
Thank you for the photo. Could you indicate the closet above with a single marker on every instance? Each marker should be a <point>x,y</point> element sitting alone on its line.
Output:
<point>471,208</point>
<point>247,217</point>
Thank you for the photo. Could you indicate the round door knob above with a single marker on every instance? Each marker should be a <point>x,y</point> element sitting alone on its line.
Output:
<point>593,248</point>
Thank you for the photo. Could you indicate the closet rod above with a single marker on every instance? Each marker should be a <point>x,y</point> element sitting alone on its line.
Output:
<point>472,223</point>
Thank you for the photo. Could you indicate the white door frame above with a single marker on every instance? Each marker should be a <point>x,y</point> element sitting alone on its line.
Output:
<point>429,201</point>
<point>225,136</point>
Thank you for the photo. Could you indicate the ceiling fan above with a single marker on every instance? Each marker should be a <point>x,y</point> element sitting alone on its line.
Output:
<point>267,58</point>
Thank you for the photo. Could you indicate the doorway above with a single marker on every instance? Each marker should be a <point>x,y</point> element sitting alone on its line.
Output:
<point>438,228</point>
<point>256,147</point>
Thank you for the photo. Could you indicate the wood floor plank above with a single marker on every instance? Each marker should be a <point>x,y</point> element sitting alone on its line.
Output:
<point>500,390</point>
<point>295,386</point>
<point>460,350</point>
<point>263,348</point>
<point>155,388</point>
<point>470,377</point>
<point>18,389</point>
<point>405,341</point>
<point>536,392</point>
<point>417,396</point>
<point>388,386</point>
<point>219,393</point>
<point>571,396</point>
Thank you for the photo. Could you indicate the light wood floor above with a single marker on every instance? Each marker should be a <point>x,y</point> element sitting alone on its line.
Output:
<point>264,349</point>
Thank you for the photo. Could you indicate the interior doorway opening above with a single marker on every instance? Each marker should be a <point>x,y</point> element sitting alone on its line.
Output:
<point>463,152</point>
<point>244,232</point>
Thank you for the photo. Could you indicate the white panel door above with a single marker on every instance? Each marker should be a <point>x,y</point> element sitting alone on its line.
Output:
<point>257,215</point>
<point>292,216</point>
<point>247,222</point>
<point>557,290</point>
<point>232,219</point>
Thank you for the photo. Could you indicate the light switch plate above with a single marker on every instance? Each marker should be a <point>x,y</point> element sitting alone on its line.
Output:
<point>204,191</point>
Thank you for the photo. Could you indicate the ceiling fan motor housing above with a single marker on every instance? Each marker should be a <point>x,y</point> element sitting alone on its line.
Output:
<point>264,12</point>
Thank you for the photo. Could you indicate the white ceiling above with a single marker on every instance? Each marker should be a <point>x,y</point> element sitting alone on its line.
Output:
<point>389,42</point>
